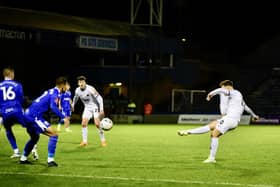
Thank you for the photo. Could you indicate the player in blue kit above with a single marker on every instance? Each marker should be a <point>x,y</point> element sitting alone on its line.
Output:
<point>11,99</point>
<point>65,107</point>
<point>36,124</point>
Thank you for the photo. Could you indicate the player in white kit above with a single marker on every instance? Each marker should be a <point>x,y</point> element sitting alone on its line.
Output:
<point>224,105</point>
<point>93,108</point>
<point>231,106</point>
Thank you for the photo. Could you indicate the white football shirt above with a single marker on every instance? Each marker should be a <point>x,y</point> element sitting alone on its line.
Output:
<point>235,106</point>
<point>223,103</point>
<point>88,96</point>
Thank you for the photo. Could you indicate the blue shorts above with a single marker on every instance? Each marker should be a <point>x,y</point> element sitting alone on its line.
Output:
<point>13,118</point>
<point>38,123</point>
<point>66,113</point>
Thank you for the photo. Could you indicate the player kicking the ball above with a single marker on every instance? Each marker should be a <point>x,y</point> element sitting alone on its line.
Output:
<point>229,121</point>
<point>93,107</point>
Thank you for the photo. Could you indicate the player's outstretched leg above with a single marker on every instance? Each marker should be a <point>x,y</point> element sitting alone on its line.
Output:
<point>199,130</point>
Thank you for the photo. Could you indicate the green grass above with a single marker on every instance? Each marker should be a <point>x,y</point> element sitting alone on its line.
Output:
<point>149,155</point>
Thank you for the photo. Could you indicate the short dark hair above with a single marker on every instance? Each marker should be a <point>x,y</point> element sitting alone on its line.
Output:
<point>61,80</point>
<point>81,78</point>
<point>226,83</point>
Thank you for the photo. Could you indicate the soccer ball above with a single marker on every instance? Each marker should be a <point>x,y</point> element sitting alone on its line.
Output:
<point>106,124</point>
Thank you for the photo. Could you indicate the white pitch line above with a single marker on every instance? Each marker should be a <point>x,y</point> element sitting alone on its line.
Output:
<point>138,179</point>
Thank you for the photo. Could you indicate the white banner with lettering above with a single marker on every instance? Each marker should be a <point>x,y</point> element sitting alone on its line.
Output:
<point>204,119</point>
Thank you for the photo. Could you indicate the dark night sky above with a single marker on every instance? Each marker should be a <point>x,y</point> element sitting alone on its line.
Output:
<point>237,25</point>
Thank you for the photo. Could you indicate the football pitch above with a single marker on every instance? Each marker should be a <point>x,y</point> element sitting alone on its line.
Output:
<point>149,155</point>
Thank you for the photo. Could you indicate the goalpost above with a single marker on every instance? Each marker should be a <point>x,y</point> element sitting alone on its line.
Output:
<point>185,101</point>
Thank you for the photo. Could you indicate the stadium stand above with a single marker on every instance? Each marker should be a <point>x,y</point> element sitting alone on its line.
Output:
<point>266,97</point>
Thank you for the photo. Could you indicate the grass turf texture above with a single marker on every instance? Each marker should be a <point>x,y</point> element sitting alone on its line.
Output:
<point>149,155</point>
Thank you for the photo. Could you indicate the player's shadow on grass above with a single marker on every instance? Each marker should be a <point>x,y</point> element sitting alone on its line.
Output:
<point>34,163</point>
<point>9,160</point>
<point>77,148</point>
<point>241,171</point>
<point>68,142</point>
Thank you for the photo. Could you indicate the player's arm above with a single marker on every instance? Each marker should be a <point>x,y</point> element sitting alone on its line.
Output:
<point>250,111</point>
<point>70,98</point>
<point>215,92</point>
<point>20,91</point>
<point>71,104</point>
<point>54,106</point>
<point>59,104</point>
<point>101,108</point>
<point>75,99</point>
<point>98,98</point>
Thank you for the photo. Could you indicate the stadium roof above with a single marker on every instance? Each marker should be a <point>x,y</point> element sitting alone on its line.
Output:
<point>58,22</point>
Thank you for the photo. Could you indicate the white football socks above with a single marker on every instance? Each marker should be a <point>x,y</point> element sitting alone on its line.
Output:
<point>214,147</point>
<point>50,159</point>
<point>200,130</point>
<point>16,151</point>
<point>84,133</point>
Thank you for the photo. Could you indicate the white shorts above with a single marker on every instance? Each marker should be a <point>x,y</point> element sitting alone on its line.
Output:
<point>225,124</point>
<point>90,112</point>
